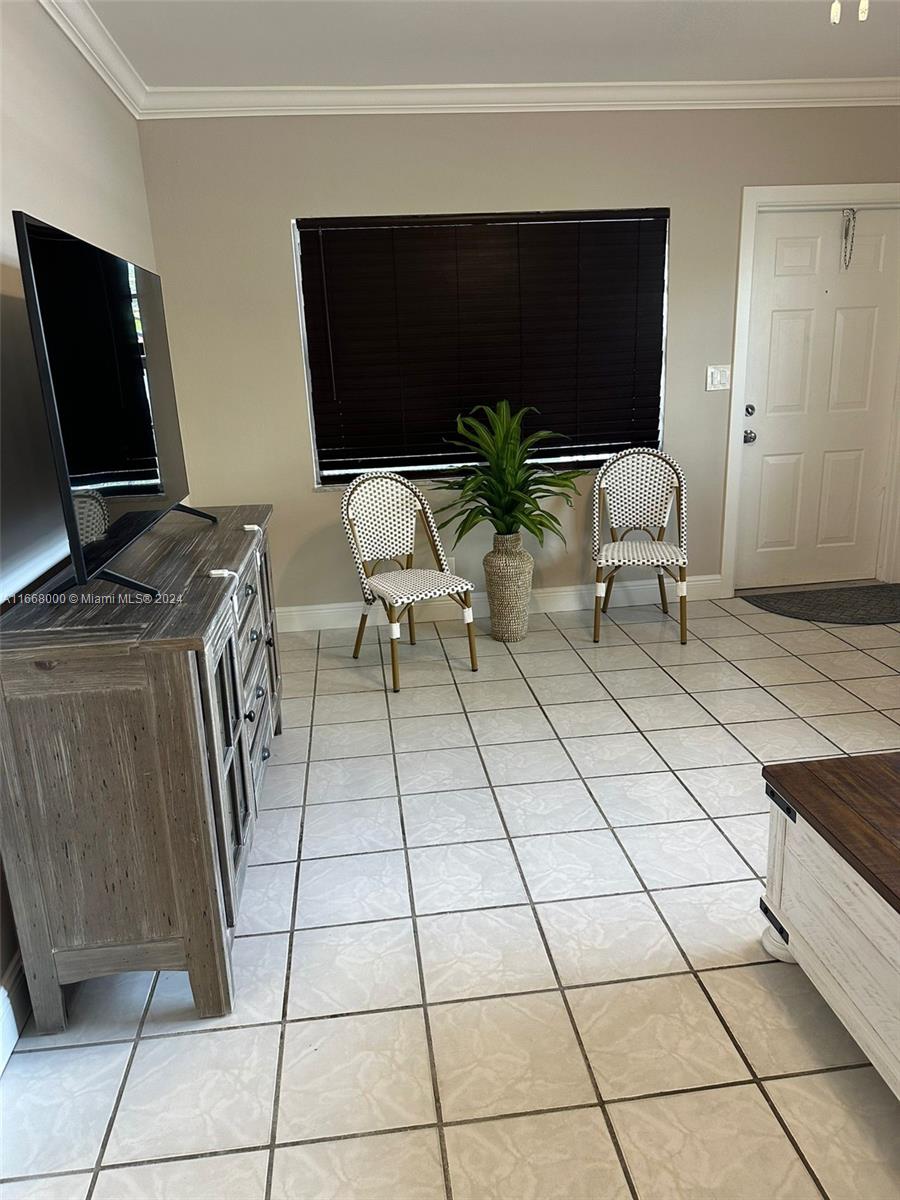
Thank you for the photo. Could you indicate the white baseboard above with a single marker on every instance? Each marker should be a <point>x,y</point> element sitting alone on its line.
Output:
<point>15,1007</point>
<point>554,599</point>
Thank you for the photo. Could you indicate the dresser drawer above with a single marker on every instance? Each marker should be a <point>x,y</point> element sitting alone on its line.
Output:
<point>247,589</point>
<point>251,638</point>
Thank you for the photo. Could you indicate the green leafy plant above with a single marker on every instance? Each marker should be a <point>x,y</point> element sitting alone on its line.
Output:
<point>504,488</point>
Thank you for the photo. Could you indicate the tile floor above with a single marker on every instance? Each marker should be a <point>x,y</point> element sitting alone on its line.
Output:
<point>499,941</point>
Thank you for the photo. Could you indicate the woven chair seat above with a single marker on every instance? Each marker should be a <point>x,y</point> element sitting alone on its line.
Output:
<point>641,553</point>
<point>408,587</point>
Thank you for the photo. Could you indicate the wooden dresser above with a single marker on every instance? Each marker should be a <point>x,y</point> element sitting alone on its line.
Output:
<point>833,890</point>
<point>134,735</point>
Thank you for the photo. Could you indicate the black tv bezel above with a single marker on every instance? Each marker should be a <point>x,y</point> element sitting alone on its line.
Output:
<point>21,221</point>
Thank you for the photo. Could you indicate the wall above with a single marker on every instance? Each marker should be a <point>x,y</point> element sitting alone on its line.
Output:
<point>70,156</point>
<point>222,195</point>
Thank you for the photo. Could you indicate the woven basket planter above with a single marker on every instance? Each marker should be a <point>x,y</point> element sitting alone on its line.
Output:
<point>507,575</point>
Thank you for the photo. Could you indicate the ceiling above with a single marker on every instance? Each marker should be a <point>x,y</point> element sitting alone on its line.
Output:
<point>168,55</point>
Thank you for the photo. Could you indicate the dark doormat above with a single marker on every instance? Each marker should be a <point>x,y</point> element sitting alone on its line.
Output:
<point>874,604</point>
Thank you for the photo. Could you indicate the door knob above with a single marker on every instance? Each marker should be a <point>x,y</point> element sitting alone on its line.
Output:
<point>749,437</point>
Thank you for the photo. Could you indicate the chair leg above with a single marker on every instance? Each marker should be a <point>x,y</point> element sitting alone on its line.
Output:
<point>470,629</point>
<point>411,618</point>
<point>682,602</point>
<point>395,638</point>
<point>599,588</point>
<point>663,598</point>
<point>610,580</point>
<point>359,634</point>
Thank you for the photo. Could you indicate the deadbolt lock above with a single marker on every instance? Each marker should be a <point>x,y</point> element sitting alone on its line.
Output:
<point>749,410</point>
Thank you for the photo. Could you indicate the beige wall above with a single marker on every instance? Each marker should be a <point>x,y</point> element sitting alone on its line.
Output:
<point>222,194</point>
<point>70,155</point>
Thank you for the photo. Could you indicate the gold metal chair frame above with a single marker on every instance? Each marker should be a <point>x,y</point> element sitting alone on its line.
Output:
<point>601,604</point>
<point>395,614</point>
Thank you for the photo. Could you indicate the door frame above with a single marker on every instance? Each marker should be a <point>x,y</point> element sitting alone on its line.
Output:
<point>758,200</point>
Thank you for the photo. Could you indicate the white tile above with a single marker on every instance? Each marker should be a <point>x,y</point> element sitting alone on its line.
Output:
<point>766,622</point>
<point>706,677</point>
<point>809,641</point>
<point>99,1010</point>
<point>773,741</point>
<point>340,657</point>
<point>196,1093</point>
<point>433,818</point>
<point>743,704</point>
<point>351,968</point>
<point>716,924</point>
<point>297,711</point>
<point>845,1122</point>
<point>645,799</point>
<point>298,685</point>
<point>288,748</point>
<point>495,726</point>
<point>890,657</point>
<point>565,865</point>
<point>880,693</point>
<point>54,1106</point>
<point>283,787</point>
<point>848,664</point>
<point>353,739</point>
<point>666,712</point>
<point>707,746</point>
<point>750,646</point>
<point>673,654</point>
<point>750,834</point>
<point>542,640</point>
<point>780,1020</point>
<point>440,770</point>
<point>721,626</point>
<point>643,681</point>
<point>553,662</point>
<point>475,875</point>
<point>819,699</point>
<point>304,640</point>
<point>666,630</point>
<point>362,706</point>
<point>604,659</point>
<point>418,673</point>
<point>484,953</point>
<point>359,887</point>
<point>354,1074</point>
<point>224,1176</point>
<point>728,791</point>
<point>491,694</point>
<point>49,1187</point>
<point>259,965</point>
<point>353,827</point>
<point>770,671</point>
<point>614,754</point>
<point>681,853</point>
<point>403,1165</point>
<point>266,900</point>
<point>709,1145</point>
<point>349,679</point>
<point>527,762</point>
<point>859,732</point>
<point>551,1156</point>
<point>506,1055</point>
<point>568,689</point>
<point>494,668</point>
<point>593,717</point>
<point>582,636</point>
<point>653,1035</point>
<point>608,937</point>
<point>737,606</point>
<point>636,614</point>
<point>276,836</point>
<point>445,732</point>
<point>298,660</point>
<point>867,637</point>
<point>351,779</point>
<point>424,701</point>
<point>548,807</point>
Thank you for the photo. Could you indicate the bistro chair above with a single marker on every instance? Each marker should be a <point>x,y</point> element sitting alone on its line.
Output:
<point>637,489</point>
<point>380,512</point>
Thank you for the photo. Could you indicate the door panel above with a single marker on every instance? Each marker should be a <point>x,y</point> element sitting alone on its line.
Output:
<point>821,373</point>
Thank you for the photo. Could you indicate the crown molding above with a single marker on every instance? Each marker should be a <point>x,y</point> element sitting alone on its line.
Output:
<point>82,26</point>
<point>89,35</point>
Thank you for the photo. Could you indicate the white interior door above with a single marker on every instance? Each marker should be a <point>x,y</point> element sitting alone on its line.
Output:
<point>821,375</point>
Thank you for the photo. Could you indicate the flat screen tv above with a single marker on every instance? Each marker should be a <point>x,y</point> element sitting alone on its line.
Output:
<point>99,333</point>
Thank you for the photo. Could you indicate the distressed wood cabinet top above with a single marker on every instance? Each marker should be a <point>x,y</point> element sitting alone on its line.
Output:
<point>176,556</point>
<point>854,803</point>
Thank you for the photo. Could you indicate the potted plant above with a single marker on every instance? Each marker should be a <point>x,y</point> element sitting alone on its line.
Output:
<point>507,490</point>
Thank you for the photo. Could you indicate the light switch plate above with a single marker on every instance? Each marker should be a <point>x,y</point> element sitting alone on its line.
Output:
<point>718,379</point>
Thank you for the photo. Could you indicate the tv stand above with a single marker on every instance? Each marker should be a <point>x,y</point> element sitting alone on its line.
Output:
<point>124,581</point>
<point>195,512</point>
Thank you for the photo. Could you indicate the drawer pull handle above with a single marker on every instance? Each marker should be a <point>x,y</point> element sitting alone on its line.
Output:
<point>254,635</point>
<point>266,754</point>
<point>251,715</point>
<point>260,691</point>
<point>270,641</point>
<point>249,589</point>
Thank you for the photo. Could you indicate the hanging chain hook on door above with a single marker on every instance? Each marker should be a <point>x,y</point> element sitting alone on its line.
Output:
<point>848,236</point>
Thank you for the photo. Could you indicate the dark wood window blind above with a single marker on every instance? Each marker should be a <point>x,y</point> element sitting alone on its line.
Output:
<point>412,320</point>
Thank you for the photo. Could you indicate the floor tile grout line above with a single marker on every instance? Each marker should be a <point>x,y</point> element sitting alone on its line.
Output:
<point>611,1132</point>
<point>429,1039</point>
<point>285,999</point>
<point>114,1111</point>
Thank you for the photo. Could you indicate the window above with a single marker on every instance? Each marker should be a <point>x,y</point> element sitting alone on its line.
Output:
<point>412,320</point>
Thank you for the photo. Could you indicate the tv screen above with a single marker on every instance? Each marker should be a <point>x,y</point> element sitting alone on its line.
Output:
<point>99,333</point>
